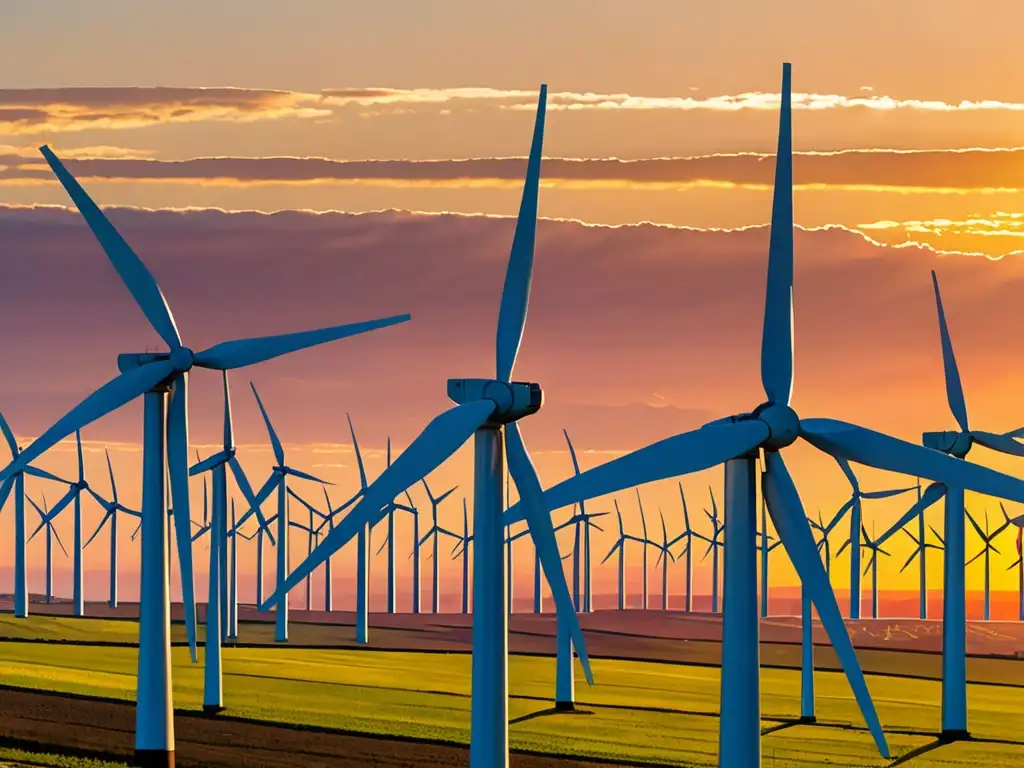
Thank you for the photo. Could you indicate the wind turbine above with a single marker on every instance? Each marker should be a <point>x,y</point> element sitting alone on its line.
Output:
<point>213,684</point>
<point>736,440</point>
<point>987,547</point>
<point>646,541</point>
<point>663,558</point>
<point>313,532</point>
<point>217,465</point>
<point>588,601</point>
<point>620,547</point>
<point>920,549</point>
<point>1019,565</point>
<point>278,481</point>
<point>714,544</point>
<point>51,534</point>
<point>112,507</point>
<point>872,565</point>
<point>153,375</point>
<point>488,409</point>
<point>463,543</point>
<point>15,480</point>
<point>687,536</point>
<point>436,532</point>
<point>74,494</point>
<point>956,445</point>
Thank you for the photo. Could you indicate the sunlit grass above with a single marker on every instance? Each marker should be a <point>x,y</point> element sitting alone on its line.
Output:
<point>638,710</point>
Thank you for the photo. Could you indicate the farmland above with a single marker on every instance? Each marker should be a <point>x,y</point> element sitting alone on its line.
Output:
<point>640,712</point>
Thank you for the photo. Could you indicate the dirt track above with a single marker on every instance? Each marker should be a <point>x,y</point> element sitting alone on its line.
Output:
<point>106,729</point>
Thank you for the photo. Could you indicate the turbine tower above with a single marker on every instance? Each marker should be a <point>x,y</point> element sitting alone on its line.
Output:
<point>737,440</point>
<point>714,544</point>
<point>490,409</point>
<point>165,445</point>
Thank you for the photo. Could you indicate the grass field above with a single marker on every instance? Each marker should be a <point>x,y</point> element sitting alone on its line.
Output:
<point>643,711</point>
<point>16,758</point>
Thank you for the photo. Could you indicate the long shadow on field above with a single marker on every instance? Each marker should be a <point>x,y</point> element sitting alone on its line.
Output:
<point>547,712</point>
<point>918,751</point>
<point>782,726</point>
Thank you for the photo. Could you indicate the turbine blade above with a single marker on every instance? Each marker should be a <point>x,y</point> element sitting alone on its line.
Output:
<point>931,494</point>
<point>538,519</point>
<point>874,449</point>
<point>110,471</point>
<point>243,352</point>
<point>137,279</point>
<point>777,332</point>
<point>43,474</point>
<point>254,503</point>
<point>59,542</point>
<point>689,452</point>
<point>359,455</point>
<point>440,439</point>
<point>177,464</point>
<point>954,389</point>
<point>515,295</point>
<point>107,398</point>
<point>221,457</point>
<point>306,476</point>
<point>278,450</point>
<point>886,494</point>
<point>229,430</point>
<point>9,437</point>
<point>99,528</point>
<point>788,516</point>
<point>1000,443</point>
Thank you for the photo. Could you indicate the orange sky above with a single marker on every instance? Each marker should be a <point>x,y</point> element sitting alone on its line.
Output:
<point>635,331</point>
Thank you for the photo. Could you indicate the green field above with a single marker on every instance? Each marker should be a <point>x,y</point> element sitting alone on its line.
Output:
<point>16,758</point>
<point>637,711</point>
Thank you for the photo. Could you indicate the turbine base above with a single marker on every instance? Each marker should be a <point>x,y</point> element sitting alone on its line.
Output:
<point>808,720</point>
<point>154,758</point>
<point>948,737</point>
<point>212,709</point>
<point>565,706</point>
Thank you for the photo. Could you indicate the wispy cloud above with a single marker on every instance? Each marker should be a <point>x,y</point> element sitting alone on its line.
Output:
<point>40,110</point>
<point>37,111</point>
<point>907,171</point>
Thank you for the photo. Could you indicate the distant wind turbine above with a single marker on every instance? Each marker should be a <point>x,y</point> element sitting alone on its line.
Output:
<point>663,557</point>
<point>51,534</point>
<point>112,507</point>
<point>714,544</point>
<point>987,538</point>
<point>436,531</point>
<point>686,536</point>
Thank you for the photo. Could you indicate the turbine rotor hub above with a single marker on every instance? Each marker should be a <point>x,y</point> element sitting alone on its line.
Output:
<point>782,422</point>
<point>182,359</point>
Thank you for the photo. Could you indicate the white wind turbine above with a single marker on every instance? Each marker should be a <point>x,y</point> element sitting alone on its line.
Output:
<point>488,409</point>
<point>165,445</point>
<point>954,594</point>
<point>737,440</point>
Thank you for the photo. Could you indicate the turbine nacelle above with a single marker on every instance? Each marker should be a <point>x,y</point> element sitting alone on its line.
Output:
<point>512,400</point>
<point>952,443</point>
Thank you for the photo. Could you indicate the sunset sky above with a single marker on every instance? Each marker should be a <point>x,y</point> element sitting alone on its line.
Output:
<point>378,134</point>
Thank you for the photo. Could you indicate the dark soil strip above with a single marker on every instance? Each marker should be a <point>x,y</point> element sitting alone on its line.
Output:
<point>93,727</point>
